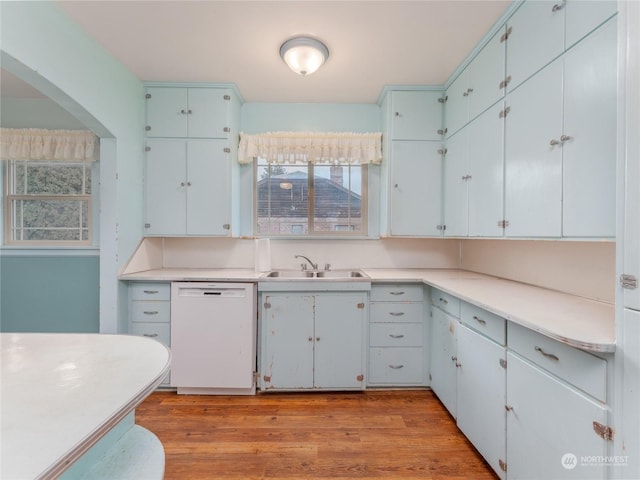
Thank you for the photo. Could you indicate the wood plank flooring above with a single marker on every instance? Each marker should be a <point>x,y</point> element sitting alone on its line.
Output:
<point>364,435</point>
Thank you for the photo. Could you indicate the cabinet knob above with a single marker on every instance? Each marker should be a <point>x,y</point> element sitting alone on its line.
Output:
<point>397,114</point>
<point>183,112</point>
<point>508,408</point>
<point>317,339</point>
<point>558,6</point>
<point>310,339</point>
<point>554,142</point>
<point>565,138</point>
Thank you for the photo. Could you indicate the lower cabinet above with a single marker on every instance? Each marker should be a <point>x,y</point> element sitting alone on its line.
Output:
<point>313,340</point>
<point>444,329</point>
<point>150,312</point>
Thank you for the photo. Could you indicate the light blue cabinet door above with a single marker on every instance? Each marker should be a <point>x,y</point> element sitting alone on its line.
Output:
<point>583,16</point>
<point>456,171</point>
<point>486,72</point>
<point>481,395</point>
<point>208,113</point>
<point>416,115</point>
<point>416,180</point>
<point>589,155</point>
<point>443,359</point>
<point>536,37</point>
<point>533,167</point>
<point>339,335</point>
<point>287,357</point>
<point>486,172</point>
<point>553,420</point>
<point>457,105</point>
<point>208,184</point>
<point>167,112</point>
<point>165,186</point>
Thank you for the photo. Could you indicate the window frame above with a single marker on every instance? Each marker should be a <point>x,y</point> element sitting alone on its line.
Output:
<point>9,198</point>
<point>312,233</point>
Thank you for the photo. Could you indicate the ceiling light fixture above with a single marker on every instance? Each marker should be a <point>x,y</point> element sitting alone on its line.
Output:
<point>304,55</point>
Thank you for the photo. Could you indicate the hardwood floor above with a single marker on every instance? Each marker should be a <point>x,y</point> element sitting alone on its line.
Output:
<point>365,435</point>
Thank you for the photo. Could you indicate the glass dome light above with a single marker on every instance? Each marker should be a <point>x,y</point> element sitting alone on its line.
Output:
<point>304,55</point>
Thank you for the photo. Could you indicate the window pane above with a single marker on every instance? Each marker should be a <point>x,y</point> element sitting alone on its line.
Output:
<point>55,220</point>
<point>337,198</point>
<point>282,199</point>
<point>35,178</point>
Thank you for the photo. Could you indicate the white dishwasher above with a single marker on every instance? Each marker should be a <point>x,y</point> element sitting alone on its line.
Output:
<point>213,338</point>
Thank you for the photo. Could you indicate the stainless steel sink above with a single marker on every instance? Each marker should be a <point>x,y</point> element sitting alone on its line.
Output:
<point>322,274</point>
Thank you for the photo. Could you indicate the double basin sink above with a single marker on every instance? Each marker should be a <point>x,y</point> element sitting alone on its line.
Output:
<point>317,274</point>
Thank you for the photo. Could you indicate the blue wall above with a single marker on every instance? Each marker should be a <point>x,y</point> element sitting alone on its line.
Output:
<point>49,294</point>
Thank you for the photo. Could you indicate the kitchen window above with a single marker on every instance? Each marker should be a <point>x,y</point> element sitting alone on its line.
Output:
<point>310,199</point>
<point>48,203</point>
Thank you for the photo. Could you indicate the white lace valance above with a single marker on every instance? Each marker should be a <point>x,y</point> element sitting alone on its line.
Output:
<point>53,145</point>
<point>303,147</point>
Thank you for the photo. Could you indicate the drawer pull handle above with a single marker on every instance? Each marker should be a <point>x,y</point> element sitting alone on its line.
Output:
<point>443,301</point>
<point>151,312</point>
<point>396,314</point>
<point>396,293</point>
<point>151,292</point>
<point>548,355</point>
<point>396,367</point>
<point>150,335</point>
<point>396,335</point>
<point>479,320</point>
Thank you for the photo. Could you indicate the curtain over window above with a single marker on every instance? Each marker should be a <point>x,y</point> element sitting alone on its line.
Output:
<point>49,145</point>
<point>311,147</point>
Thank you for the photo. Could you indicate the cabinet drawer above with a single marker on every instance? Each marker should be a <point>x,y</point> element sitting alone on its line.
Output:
<point>150,291</point>
<point>446,302</point>
<point>396,335</point>
<point>397,293</point>
<point>577,367</point>
<point>484,322</point>
<point>157,331</point>
<point>396,366</point>
<point>397,312</point>
<point>143,311</point>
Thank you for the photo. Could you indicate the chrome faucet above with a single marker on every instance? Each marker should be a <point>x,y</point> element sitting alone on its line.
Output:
<point>314,266</point>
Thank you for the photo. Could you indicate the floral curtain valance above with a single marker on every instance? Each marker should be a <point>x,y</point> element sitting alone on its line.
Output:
<point>50,145</point>
<point>303,147</point>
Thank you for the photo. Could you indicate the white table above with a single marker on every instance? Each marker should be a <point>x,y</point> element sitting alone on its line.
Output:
<point>63,394</point>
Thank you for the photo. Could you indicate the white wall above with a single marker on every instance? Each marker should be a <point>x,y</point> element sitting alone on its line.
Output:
<point>581,268</point>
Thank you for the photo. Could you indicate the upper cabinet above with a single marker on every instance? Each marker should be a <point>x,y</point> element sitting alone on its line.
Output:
<point>189,112</point>
<point>584,16</point>
<point>479,86</point>
<point>192,139</point>
<point>416,115</point>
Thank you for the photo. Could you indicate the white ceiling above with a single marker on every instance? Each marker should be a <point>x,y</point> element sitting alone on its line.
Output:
<point>371,43</point>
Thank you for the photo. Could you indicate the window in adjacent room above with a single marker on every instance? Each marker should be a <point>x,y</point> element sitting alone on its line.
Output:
<point>48,202</point>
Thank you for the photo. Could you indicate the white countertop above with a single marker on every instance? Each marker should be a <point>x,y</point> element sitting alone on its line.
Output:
<point>576,321</point>
<point>62,392</point>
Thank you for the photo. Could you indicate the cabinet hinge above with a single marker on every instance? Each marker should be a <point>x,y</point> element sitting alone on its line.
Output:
<point>227,97</point>
<point>266,378</point>
<point>227,150</point>
<point>147,225</point>
<point>147,96</point>
<point>226,226</point>
<point>503,465</point>
<point>361,306</point>
<point>443,99</point>
<point>603,431</point>
<point>226,129</point>
<point>147,128</point>
<point>504,113</point>
<point>267,305</point>
<point>505,36</point>
<point>443,131</point>
<point>629,282</point>
<point>505,82</point>
<point>503,223</point>
<point>360,377</point>
<point>503,363</point>
<point>147,149</point>
<point>430,377</point>
<point>442,151</point>
<point>441,227</point>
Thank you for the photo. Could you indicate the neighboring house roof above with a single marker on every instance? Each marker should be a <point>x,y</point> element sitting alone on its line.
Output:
<point>290,197</point>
